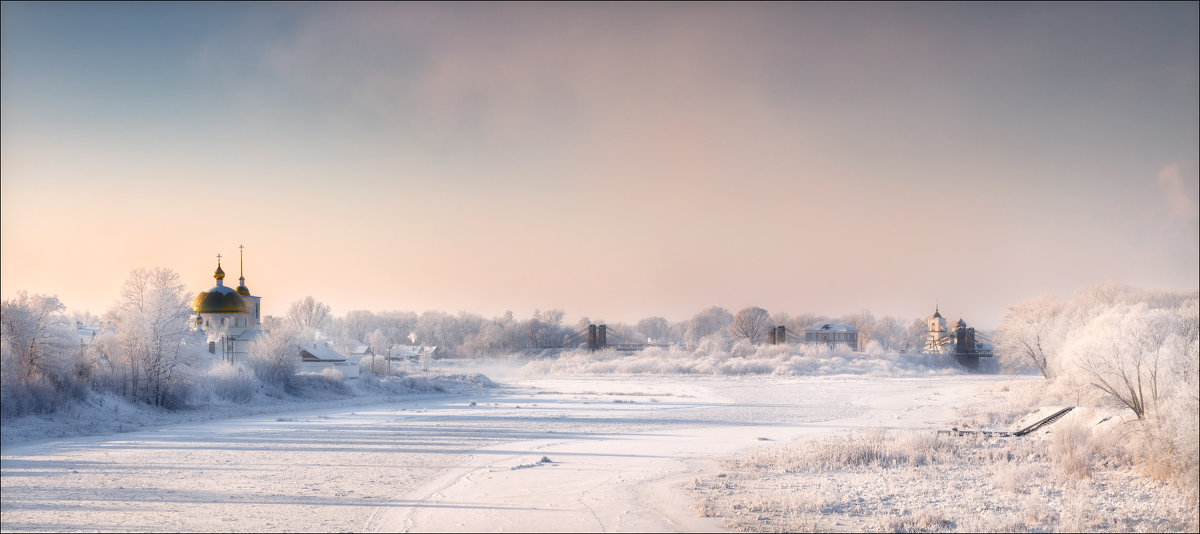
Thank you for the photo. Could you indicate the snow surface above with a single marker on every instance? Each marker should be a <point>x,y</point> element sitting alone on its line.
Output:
<point>548,453</point>
<point>1055,479</point>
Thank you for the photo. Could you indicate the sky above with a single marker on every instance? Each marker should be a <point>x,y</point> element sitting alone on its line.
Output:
<point>615,161</point>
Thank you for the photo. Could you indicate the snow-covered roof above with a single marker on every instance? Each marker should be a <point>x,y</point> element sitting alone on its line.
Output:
<point>86,334</point>
<point>830,327</point>
<point>320,352</point>
<point>411,350</point>
<point>404,350</point>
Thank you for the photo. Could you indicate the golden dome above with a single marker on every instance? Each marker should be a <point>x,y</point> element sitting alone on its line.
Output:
<point>219,299</point>
<point>219,275</point>
<point>243,291</point>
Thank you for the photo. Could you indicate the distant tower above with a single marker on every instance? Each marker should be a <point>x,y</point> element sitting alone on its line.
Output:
<point>937,330</point>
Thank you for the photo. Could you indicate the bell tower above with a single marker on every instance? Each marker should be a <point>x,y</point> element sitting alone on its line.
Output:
<point>937,330</point>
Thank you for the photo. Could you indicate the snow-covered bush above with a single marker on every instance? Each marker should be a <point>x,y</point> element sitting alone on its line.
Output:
<point>273,357</point>
<point>375,366</point>
<point>1072,446</point>
<point>871,449</point>
<point>327,383</point>
<point>225,382</point>
<point>38,356</point>
<point>1126,347</point>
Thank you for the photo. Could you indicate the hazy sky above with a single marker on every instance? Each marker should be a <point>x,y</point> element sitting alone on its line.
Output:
<point>614,160</point>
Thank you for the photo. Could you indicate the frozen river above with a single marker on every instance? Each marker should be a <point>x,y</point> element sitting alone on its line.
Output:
<point>617,449</point>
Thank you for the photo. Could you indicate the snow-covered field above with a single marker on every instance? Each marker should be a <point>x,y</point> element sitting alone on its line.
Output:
<point>903,481</point>
<point>536,454</point>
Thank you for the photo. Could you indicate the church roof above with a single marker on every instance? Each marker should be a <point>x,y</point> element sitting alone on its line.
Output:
<point>219,299</point>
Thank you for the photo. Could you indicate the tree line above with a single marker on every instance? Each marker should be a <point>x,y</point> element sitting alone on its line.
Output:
<point>145,347</point>
<point>470,335</point>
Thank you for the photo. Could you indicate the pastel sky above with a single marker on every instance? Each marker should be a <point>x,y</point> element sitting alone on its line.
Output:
<point>617,161</point>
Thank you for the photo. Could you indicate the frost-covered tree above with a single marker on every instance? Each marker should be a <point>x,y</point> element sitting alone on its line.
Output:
<point>273,357</point>
<point>380,343</point>
<point>485,340</point>
<point>751,324</point>
<point>864,322</point>
<point>656,328</point>
<point>915,334</point>
<point>706,323</point>
<point>34,330</point>
<point>890,332</point>
<point>152,318</point>
<point>1027,333</point>
<point>37,354</point>
<point>1121,352</point>
<point>357,324</point>
<point>308,315</point>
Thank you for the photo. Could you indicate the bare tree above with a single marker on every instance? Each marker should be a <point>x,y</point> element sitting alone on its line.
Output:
<point>308,314</point>
<point>1121,352</point>
<point>751,324</point>
<point>153,322</point>
<point>1025,332</point>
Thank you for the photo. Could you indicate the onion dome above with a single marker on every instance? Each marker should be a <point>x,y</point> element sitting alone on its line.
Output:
<point>219,299</point>
<point>960,323</point>
<point>241,288</point>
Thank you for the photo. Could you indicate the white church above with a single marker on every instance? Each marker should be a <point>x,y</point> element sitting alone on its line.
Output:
<point>961,339</point>
<point>230,318</point>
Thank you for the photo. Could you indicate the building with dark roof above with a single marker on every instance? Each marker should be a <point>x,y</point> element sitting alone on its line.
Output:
<point>832,335</point>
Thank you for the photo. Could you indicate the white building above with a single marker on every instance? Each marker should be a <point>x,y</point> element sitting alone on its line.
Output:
<point>938,337</point>
<point>229,318</point>
<point>961,339</point>
<point>832,335</point>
